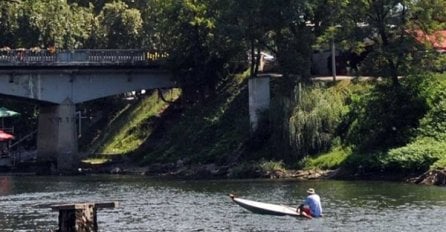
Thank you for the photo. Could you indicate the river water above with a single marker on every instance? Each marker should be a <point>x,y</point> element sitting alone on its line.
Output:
<point>148,204</point>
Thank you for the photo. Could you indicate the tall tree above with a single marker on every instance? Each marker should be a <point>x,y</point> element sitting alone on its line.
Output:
<point>8,22</point>
<point>388,26</point>
<point>196,35</point>
<point>119,26</point>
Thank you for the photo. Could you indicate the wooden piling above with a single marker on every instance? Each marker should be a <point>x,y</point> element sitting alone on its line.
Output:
<point>80,217</point>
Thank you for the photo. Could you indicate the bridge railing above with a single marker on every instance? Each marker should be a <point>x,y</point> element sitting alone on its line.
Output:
<point>48,57</point>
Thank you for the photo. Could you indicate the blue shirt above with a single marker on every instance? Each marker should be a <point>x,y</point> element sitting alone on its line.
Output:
<point>314,202</point>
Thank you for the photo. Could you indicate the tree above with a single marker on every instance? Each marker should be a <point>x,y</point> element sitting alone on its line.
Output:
<point>79,27</point>
<point>197,36</point>
<point>8,22</point>
<point>119,26</point>
<point>50,23</point>
<point>291,35</point>
<point>389,25</point>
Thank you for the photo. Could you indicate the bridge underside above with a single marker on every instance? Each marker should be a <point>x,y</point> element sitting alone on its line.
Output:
<point>57,137</point>
<point>79,85</point>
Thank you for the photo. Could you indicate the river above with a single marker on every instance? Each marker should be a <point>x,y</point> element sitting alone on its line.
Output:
<point>148,204</point>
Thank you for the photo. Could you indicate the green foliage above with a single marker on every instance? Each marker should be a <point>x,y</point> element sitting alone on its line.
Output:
<point>433,124</point>
<point>270,166</point>
<point>314,119</point>
<point>439,164</point>
<point>53,23</point>
<point>327,161</point>
<point>211,132</point>
<point>393,48</point>
<point>364,163</point>
<point>120,26</point>
<point>427,147</point>
<point>415,157</point>
<point>8,22</point>
<point>384,117</point>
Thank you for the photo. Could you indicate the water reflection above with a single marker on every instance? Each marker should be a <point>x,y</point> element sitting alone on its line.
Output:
<point>148,204</point>
<point>5,185</point>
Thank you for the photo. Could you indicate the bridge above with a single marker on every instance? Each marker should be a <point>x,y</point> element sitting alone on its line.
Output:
<point>60,79</point>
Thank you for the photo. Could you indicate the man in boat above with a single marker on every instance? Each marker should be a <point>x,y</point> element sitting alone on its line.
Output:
<point>312,206</point>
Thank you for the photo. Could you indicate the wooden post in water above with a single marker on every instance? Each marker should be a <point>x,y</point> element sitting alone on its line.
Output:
<point>80,217</point>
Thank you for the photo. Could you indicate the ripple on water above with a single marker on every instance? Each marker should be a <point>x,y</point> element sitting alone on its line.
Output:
<point>156,205</point>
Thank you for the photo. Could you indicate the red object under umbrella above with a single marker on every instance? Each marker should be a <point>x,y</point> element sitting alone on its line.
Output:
<point>5,136</point>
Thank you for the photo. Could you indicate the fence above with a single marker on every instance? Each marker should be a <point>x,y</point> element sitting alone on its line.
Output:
<point>50,57</point>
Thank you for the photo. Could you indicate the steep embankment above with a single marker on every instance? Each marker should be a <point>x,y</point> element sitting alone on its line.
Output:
<point>167,137</point>
<point>129,127</point>
<point>365,130</point>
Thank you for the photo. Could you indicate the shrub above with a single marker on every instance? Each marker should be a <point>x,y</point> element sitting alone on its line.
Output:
<point>434,123</point>
<point>439,164</point>
<point>384,117</point>
<point>270,166</point>
<point>415,157</point>
<point>364,163</point>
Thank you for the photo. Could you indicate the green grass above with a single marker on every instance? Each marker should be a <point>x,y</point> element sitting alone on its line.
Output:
<point>329,160</point>
<point>209,132</point>
<point>132,126</point>
<point>95,161</point>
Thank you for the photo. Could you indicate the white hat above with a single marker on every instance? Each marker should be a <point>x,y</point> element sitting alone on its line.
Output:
<point>311,191</point>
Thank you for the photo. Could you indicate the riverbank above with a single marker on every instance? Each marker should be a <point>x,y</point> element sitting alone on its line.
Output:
<point>212,171</point>
<point>179,170</point>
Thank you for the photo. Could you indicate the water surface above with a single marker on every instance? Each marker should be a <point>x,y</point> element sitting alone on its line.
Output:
<point>148,204</point>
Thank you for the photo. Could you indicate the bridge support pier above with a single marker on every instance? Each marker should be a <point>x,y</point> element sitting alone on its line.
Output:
<point>259,98</point>
<point>57,137</point>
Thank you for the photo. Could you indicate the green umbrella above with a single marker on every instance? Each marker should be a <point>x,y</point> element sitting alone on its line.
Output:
<point>4,112</point>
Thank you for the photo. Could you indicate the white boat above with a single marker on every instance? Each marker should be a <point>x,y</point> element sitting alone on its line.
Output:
<point>265,208</point>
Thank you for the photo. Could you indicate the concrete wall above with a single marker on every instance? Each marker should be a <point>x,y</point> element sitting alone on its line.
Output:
<point>259,98</point>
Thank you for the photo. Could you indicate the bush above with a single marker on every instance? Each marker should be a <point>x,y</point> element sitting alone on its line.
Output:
<point>439,164</point>
<point>385,117</point>
<point>270,166</point>
<point>364,163</point>
<point>434,123</point>
<point>415,157</point>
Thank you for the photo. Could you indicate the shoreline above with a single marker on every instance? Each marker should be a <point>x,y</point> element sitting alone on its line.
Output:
<point>212,171</point>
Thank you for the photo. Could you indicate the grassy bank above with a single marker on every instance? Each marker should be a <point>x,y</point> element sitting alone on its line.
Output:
<point>358,126</point>
<point>130,126</point>
<point>392,133</point>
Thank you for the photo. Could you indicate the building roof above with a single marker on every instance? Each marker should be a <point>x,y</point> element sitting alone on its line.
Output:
<point>437,39</point>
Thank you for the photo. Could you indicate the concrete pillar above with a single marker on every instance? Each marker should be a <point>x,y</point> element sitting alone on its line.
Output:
<point>80,217</point>
<point>56,136</point>
<point>259,98</point>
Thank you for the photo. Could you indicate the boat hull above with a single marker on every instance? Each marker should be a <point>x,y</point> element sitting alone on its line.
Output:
<point>265,208</point>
